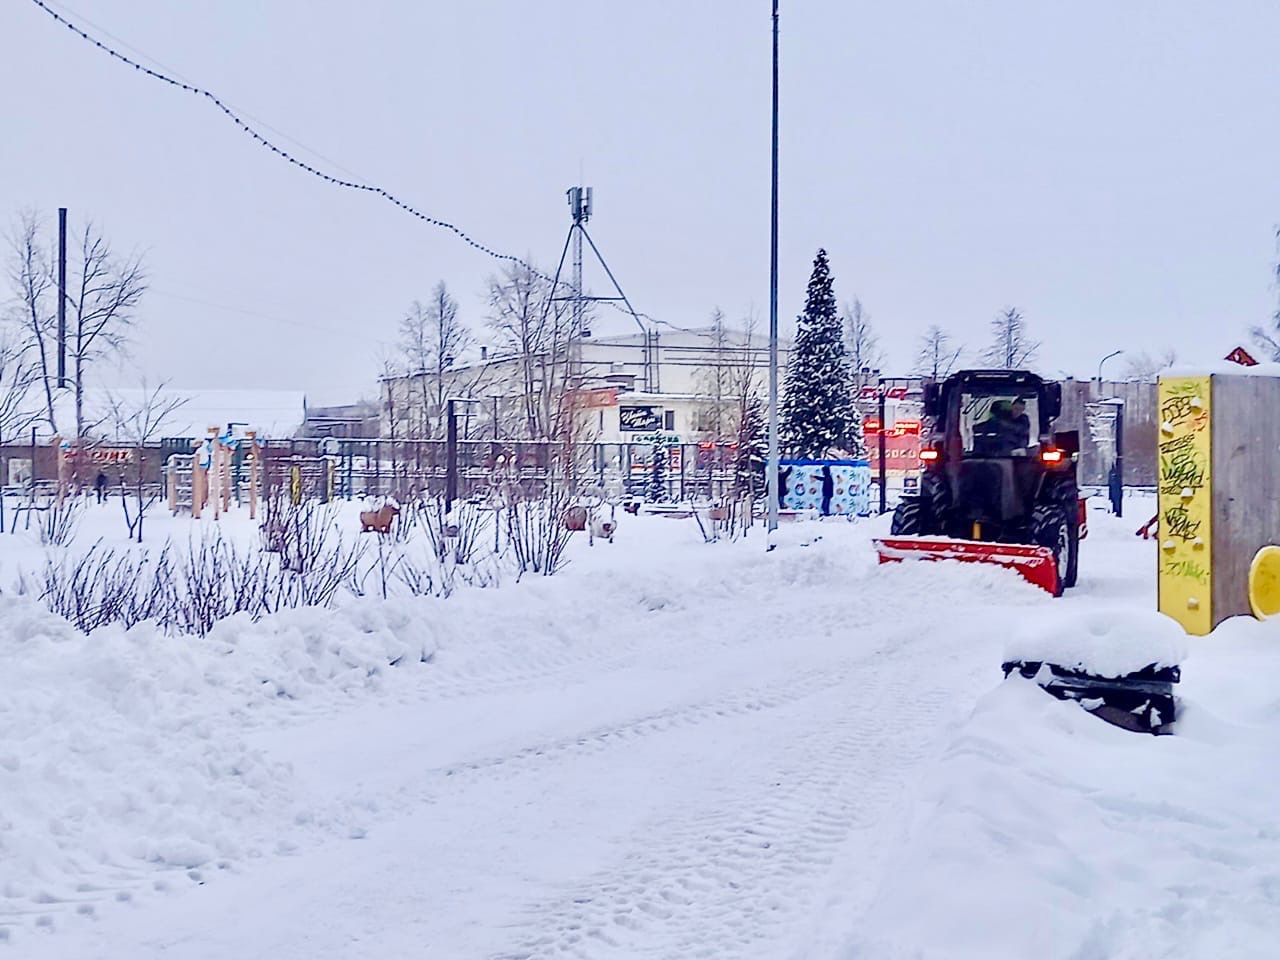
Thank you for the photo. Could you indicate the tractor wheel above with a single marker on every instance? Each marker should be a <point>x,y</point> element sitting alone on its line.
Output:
<point>908,518</point>
<point>934,491</point>
<point>1066,496</point>
<point>1073,548</point>
<point>1051,526</point>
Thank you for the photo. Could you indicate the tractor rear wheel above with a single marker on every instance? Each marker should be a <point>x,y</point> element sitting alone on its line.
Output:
<point>1054,527</point>
<point>1066,495</point>
<point>908,518</point>
<point>1073,551</point>
<point>935,492</point>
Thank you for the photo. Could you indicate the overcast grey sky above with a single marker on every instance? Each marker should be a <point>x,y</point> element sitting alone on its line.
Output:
<point>1107,167</point>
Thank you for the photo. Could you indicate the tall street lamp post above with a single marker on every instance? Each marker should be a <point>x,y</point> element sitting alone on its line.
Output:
<point>771,485</point>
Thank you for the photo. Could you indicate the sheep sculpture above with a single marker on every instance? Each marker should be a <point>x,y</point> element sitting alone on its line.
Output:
<point>602,529</point>
<point>379,520</point>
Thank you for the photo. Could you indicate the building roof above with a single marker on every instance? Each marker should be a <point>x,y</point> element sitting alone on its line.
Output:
<point>272,413</point>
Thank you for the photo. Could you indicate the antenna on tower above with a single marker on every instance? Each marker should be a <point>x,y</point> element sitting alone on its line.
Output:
<point>580,209</point>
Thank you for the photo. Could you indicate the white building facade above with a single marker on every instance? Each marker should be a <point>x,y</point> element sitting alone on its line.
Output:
<point>686,384</point>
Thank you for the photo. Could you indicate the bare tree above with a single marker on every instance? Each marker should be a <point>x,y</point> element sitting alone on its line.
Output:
<point>415,345</point>
<point>749,428</point>
<point>936,358</point>
<point>30,277</point>
<point>138,422</point>
<point>1011,348</point>
<point>1268,338</point>
<point>716,378</point>
<point>863,344</point>
<point>433,339</point>
<point>1145,368</point>
<point>536,329</point>
<point>18,376</point>
<point>103,295</point>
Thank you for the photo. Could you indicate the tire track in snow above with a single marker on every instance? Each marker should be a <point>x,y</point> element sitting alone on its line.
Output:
<point>724,877</point>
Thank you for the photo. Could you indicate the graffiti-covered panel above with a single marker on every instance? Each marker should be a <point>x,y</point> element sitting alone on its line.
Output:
<point>1184,463</point>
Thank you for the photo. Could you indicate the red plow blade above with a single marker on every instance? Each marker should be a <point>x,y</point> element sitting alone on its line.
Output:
<point>1035,564</point>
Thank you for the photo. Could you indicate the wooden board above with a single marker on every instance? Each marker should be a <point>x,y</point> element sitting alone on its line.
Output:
<point>1246,484</point>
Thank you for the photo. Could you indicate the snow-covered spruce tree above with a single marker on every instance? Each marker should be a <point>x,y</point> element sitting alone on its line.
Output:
<point>658,473</point>
<point>818,413</point>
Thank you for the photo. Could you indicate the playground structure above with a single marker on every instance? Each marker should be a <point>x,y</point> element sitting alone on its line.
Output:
<point>213,474</point>
<point>1219,497</point>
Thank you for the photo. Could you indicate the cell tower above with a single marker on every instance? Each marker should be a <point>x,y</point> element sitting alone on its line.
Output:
<point>580,208</point>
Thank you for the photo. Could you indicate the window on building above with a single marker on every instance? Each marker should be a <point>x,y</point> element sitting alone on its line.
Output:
<point>669,419</point>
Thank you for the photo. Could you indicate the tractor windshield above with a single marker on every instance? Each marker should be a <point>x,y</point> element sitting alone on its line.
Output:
<point>999,424</point>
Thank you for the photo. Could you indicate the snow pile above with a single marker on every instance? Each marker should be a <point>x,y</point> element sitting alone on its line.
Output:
<point>1105,640</point>
<point>1043,832</point>
<point>116,751</point>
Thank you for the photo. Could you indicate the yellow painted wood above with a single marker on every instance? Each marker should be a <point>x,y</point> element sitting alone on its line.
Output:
<point>1264,582</point>
<point>1186,502</point>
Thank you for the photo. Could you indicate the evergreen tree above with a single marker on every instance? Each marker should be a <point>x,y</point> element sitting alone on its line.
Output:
<point>658,475</point>
<point>818,412</point>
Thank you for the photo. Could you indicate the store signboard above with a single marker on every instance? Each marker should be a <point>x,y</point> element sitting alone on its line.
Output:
<point>639,419</point>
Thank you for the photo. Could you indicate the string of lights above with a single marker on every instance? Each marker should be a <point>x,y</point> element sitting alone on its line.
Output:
<point>239,119</point>
<point>278,151</point>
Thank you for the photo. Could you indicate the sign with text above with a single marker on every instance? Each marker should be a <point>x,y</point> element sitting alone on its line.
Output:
<point>901,453</point>
<point>100,455</point>
<point>639,419</point>
<point>873,393</point>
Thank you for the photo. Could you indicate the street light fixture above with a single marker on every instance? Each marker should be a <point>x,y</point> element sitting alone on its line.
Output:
<point>1113,353</point>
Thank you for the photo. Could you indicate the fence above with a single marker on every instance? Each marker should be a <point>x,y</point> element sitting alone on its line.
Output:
<point>409,468</point>
<point>1141,427</point>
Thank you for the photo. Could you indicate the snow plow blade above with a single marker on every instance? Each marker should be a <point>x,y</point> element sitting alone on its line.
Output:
<point>1035,564</point>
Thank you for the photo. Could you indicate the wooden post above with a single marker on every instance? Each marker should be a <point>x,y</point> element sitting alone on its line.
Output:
<point>224,454</point>
<point>62,470</point>
<point>216,487</point>
<point>199,481</point>
<point>254,472</point>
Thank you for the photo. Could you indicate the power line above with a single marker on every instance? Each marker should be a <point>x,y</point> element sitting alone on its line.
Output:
<point>236,118</point>
<point>174,73</point>
<point>240,117</point>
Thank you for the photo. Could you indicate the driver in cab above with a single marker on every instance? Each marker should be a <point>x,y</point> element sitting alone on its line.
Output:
<point>1006,431</point>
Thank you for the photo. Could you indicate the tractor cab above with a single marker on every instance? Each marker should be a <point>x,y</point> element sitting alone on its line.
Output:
<point>981,414</point>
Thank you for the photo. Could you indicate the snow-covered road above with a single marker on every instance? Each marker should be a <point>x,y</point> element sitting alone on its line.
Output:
<point>671,750</point>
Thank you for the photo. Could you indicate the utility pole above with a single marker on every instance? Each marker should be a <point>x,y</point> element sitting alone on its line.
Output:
<point>884,470</point>
<point>1119,494</point>
<point>450,457</point>
<point>771,476</point>
<point>451,449</point>
<point>62,296</point>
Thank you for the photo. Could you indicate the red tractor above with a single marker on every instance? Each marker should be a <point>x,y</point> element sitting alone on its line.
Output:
<point>998,484</point>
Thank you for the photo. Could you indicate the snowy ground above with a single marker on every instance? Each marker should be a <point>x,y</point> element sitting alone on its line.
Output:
<point>671,749</point>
